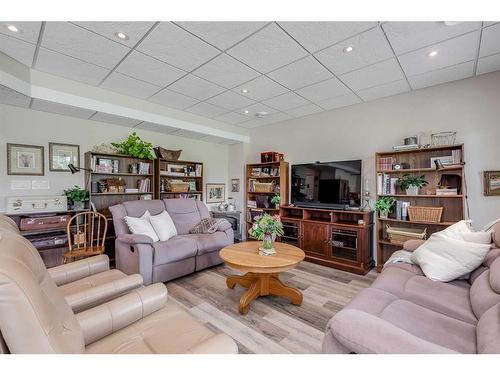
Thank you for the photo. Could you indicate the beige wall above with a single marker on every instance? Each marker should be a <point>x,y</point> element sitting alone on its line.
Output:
<point>19,125</point>
<point>471,107</point>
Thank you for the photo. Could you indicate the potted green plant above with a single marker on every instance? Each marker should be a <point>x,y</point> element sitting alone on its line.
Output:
<point>411,184</point>
<point>77,197</point>
<point>266,228</point>
<point>384,205</point>
<point>276,200</point>
<point>134,146</point>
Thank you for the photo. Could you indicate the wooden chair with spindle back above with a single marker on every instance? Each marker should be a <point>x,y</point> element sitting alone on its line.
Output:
<point>86,235</point>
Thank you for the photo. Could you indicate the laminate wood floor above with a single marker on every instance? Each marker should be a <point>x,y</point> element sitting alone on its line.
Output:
<point>273,324</point>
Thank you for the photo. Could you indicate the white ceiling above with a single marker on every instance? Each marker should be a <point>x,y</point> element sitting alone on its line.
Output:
<point>290,69</point>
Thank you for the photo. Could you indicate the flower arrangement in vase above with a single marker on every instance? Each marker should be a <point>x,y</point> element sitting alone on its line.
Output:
<point>266,228</point>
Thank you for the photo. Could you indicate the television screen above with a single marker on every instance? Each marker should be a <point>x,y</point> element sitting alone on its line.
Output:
<point>327,184</point>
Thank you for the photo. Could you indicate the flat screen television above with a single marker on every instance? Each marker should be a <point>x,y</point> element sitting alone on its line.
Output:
<point>335,184</point>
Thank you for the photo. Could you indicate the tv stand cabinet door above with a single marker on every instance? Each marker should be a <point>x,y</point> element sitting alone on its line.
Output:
<point>315,238</point>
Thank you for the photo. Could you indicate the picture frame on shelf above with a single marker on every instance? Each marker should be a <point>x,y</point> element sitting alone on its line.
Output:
<point>216,193</point>
<point>235,185</point>
<point>491,183</point>
<point>25,160</point>
<point>62,154</point>
<point>176,170</point>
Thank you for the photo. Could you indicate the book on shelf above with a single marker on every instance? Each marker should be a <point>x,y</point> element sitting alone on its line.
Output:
<point>251,183</point>
<point>392,185</point>
<point>386,185</point>
<point>385,163</point>
<point>401,210</point>
<point>144,185</point>
<point>143,168</point>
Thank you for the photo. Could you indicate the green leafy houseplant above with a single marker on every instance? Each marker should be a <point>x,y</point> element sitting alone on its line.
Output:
<point>384,205</point>
<point>276,200</point>
<point>76,196</point>
<point>411,183</point>
<point>266,228</point>
<point>134,146</point>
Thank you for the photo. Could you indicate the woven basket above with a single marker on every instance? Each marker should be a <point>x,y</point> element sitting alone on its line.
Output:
<point>179,187</point>
<point>263,187</point>
<point>399,236</point>
<point>163,153</point>
<point>427,214</point>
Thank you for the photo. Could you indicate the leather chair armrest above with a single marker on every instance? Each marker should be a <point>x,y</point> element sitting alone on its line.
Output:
<point>133,239</point>
<point>412,245</point>
<point>70,272</point>
<point>103,320</point>
<point>218,344</point>
<point>97,295</point>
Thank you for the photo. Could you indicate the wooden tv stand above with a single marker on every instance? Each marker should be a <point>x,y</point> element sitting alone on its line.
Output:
<point>332,238</point>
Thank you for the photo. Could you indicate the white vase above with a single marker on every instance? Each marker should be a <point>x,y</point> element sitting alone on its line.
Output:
<point>412,190</point>
<point>383,214</point>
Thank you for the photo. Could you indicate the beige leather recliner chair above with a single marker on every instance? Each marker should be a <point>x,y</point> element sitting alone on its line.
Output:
<point>36,318</point>
<point>88,282</point>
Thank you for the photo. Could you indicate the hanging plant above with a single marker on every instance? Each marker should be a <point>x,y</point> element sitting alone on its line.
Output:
<point>134,146</point>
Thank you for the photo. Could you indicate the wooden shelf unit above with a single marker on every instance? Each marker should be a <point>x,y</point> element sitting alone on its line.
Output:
<point>160,165</point>
<point>420,163</point>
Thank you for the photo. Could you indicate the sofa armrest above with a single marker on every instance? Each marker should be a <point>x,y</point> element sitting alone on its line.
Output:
<point>218,344</point>
<point>133,239</point>
<point>364,333</point>
<point>412,245</point>
<point>97,295</point>
<point>112,316</point>
<point>70,272</point>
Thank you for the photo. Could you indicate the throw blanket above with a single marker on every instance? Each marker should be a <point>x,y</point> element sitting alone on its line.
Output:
<point>400,256</point>
<point>208,226</point>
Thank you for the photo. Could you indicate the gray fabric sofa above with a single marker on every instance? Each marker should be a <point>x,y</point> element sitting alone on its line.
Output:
<point>405,312</point>
<point>166,260</point>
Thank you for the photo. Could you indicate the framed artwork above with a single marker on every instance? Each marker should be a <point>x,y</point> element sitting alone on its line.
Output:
<point>235,185</point>
<point>60,155</point>
<point>492,183</point>
<point>216,193</point>
<point>25,160</point>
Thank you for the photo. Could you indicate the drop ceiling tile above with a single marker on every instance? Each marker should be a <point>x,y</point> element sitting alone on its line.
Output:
<point>256,108</point>
<point>323,90</point>
<point>226,71</point>
<point>129,86</point>
<point>17,49</point>
<point>28,31</point>
<point>134,30</point>
<point>339,101</point>
<point>156,127</point>
<point>488,64</point>
<point>232,118</point>
<point>173,99</point>
<point>318,35</point>
<point>261,88</point>
<point>276,117</point>
<point>301,73</point>
<point>222,34</point>
<point>148,69</point>
<point>214,139</point>
<point>382,91</point>
<point>113,119</point>
<point>409,36</point>
<point>189,134</point>
<point>230,100</point>
<point>268,49</point>
<point>250,124</point>
<point>436,77</point>
<point>286,101</point>
<point>61,109</point>
<point>176,46</point>
<point>74,41</point>
<point>369,48</point>
<point>490,40</point>
<point>206,110</point>
<point>489,23</point>
<point>68,67</point>
<point>452,52</point>
<point>11,97</point>
<point>195,87</point>
<point>305,110</point>
<point>373,75</point>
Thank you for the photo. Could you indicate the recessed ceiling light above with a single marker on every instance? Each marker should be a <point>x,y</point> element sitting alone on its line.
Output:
<point>261,114</point>
<point>13,28</point>
<point>246,111</point>
<point>348,49</point>
<point>121,35</point>
<point>432,53</point>
<point>244,91</point>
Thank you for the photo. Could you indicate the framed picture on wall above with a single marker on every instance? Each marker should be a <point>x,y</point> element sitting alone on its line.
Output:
<point>216,193</point>
<point>25,160</point>
<point>61,154</point>
<point>235,185</point>
<point>492,183</point>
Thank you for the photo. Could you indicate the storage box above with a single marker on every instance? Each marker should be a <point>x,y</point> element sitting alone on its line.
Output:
<point>268,157</point>
<point>36,204</point>
<point>179,187</point>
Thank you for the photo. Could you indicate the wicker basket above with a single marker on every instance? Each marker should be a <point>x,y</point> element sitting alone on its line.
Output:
<point>179,187</point>
<point>427,214</point>
<point>399,236</point>
<point>163,153</point>
<point>263,187</point>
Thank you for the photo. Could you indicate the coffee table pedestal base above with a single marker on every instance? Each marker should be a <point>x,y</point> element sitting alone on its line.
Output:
<point>262,284</point>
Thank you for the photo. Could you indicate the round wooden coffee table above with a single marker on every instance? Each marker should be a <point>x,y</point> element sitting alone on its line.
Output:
<point>262,272</point>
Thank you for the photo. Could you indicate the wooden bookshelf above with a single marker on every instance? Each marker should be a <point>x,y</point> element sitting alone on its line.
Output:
<point>193,174</point>
<point>420,164</point>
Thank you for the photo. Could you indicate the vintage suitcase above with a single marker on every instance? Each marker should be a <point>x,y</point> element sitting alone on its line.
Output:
<point>44,222</point>
<point>49,241</point>
<point>36,204</point>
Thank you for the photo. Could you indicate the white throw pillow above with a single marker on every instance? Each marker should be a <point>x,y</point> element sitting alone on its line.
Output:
<point>478,237</point>
<point>141,225</point>
<point>445,256</point>
<point>163,225</point>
